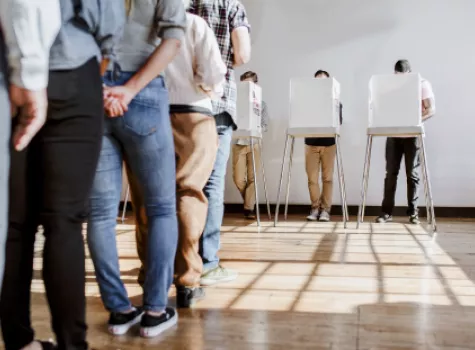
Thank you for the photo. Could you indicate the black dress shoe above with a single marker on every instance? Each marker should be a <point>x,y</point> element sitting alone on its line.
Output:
<point>186,297</point>
<point>47,345</point>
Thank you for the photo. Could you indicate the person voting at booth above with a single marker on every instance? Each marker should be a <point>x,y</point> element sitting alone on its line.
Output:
<point>243,174</point>
<point>320,153</point>
<point>396,148</point>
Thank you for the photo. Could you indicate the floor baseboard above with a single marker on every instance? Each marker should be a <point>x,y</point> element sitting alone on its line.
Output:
<point>298,209</point>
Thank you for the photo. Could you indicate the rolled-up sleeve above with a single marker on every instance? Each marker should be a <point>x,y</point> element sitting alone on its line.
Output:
<point>111,26</point>
<point>30,28</point>
<point>237,16</point>
<point>171,19</point>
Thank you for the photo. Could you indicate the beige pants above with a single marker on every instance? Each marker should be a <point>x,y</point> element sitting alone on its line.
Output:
<point>243,174</point>
<point>323,157</point>
<point>196,145</point>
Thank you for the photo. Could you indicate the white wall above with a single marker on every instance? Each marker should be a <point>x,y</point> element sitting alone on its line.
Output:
<point>354,39</point>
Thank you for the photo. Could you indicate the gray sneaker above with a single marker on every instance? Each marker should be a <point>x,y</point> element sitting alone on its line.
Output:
<point>314,214</point>
<point>218,275</point>
<point>324,216</point>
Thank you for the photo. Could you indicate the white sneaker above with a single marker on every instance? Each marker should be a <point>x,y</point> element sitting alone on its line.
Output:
<point>314,214</point>
<point>324,216</point>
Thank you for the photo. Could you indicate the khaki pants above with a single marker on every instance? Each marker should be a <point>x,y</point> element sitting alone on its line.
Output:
<point>196,145</point>
<point>243,174</point>
<point>324,157</point>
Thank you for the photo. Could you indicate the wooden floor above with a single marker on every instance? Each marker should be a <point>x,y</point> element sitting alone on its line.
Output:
<point>314,286</point>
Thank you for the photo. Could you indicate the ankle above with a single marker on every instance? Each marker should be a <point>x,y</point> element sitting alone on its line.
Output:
<point>155,313</point>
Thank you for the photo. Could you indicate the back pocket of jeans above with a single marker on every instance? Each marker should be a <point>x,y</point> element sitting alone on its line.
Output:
<point>146,109</point>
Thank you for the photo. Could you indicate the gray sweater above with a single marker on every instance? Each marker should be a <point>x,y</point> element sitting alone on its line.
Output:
<point>148,22</point>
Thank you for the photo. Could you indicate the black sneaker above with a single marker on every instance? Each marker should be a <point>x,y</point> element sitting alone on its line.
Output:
<point>384,218</point>
<point>48,345</point>
<point>249,214</point>
<point>119,323</point>
<point>186,297</point>
<point>151,326</point>
<point>414,219</point>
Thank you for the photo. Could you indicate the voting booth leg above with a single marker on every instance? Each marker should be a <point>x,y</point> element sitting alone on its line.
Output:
<point>341,180</point>
<point>264,179</point>
<point>364,183</point>
<point>256,191</point>
<point>290,176</point>
<point>124,209</point>
<point>279,191</point>
<point>425,170</point>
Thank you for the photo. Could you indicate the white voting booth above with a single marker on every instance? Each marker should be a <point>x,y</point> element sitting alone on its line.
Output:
<point>314,112</point>
<point>395,110</point>
<point>249,112</point>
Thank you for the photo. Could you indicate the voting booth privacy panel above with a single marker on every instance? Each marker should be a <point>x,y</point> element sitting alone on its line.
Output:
<point>314,103</point>
<point>395,101</point>
<point>249,109</point>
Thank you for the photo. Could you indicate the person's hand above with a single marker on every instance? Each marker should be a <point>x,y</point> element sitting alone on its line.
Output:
<point>32,107</point>
<point>117,100</point>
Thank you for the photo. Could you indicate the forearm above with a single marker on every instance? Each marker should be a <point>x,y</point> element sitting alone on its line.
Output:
<point>155,65</point>
<point>30,28</point>
<point>428,109</point>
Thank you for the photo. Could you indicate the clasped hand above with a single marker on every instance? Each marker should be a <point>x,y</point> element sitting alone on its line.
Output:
<point>117,100</point>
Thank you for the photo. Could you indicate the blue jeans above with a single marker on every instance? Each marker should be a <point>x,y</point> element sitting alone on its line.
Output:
<point>143,139</point>
<point>214,191</point>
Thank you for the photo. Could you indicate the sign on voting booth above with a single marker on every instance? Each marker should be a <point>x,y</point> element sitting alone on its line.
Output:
<point>395,101</point>
<point>314,103</point>
<point>249,107</point>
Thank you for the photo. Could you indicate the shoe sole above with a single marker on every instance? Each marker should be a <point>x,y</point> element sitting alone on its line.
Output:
<point>384,222</point>
<point>151,332</point>
<point>210,282</point>
<point>310,218</point>
<point>124,328</point>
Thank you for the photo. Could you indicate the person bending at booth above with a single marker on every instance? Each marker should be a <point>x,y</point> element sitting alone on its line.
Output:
<point>396,148</point>
<point>320,153</point>
<point>243,174</point>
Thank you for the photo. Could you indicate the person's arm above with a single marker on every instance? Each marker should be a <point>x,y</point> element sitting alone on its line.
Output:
<point>240,33</point>
<point>264,117</point>
<point>171,24</point>
<point>30,28</point>
<point>210,71</point>
<point>428,101</point>
<point>109,29</point>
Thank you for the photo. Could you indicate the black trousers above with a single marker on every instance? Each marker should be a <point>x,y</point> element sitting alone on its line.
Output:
<point>396,148</point>
<point>50,184</point>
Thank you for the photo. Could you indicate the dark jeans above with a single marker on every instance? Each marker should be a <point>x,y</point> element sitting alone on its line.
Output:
<point>49,185</point>
<point>395,149</point>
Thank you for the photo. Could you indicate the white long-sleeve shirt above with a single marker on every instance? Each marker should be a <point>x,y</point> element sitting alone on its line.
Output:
<point>30,28</point>
<point>198,72</point>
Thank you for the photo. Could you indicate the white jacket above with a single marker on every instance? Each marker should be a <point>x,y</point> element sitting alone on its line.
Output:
<point>198,72</point>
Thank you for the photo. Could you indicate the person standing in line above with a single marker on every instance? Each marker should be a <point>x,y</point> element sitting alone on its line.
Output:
<point>320,154</point>
<point>138,131</point>
<point>243,174</point>
<point>50,180</point>
<point>24,55</point>
<point>396,148</point>
<point>228,20</point>
<point>194,78</point>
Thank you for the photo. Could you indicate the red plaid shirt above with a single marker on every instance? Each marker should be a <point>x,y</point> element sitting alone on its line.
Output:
<point>223,16</point>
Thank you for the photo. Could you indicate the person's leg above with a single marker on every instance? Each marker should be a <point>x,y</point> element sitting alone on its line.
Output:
<point>312,167</point>
<point>394,152</point>
<point>70,144</point>
<point>250,196</point>
<point>101,228</point>
<point>214,191</point>
<point>196,145</point>
<point>328,156</point>
<point>239,169</point>
<point>24,195</point>
<point>412,162</point>
<point>147,140</point>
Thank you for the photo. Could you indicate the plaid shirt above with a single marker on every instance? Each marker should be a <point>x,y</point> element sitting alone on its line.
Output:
<point>223,16</point>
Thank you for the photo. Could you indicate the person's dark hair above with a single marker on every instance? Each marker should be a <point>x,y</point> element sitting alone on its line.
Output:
<point>320,72</point>
<point>250,75</point>
<point>402,66</point>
